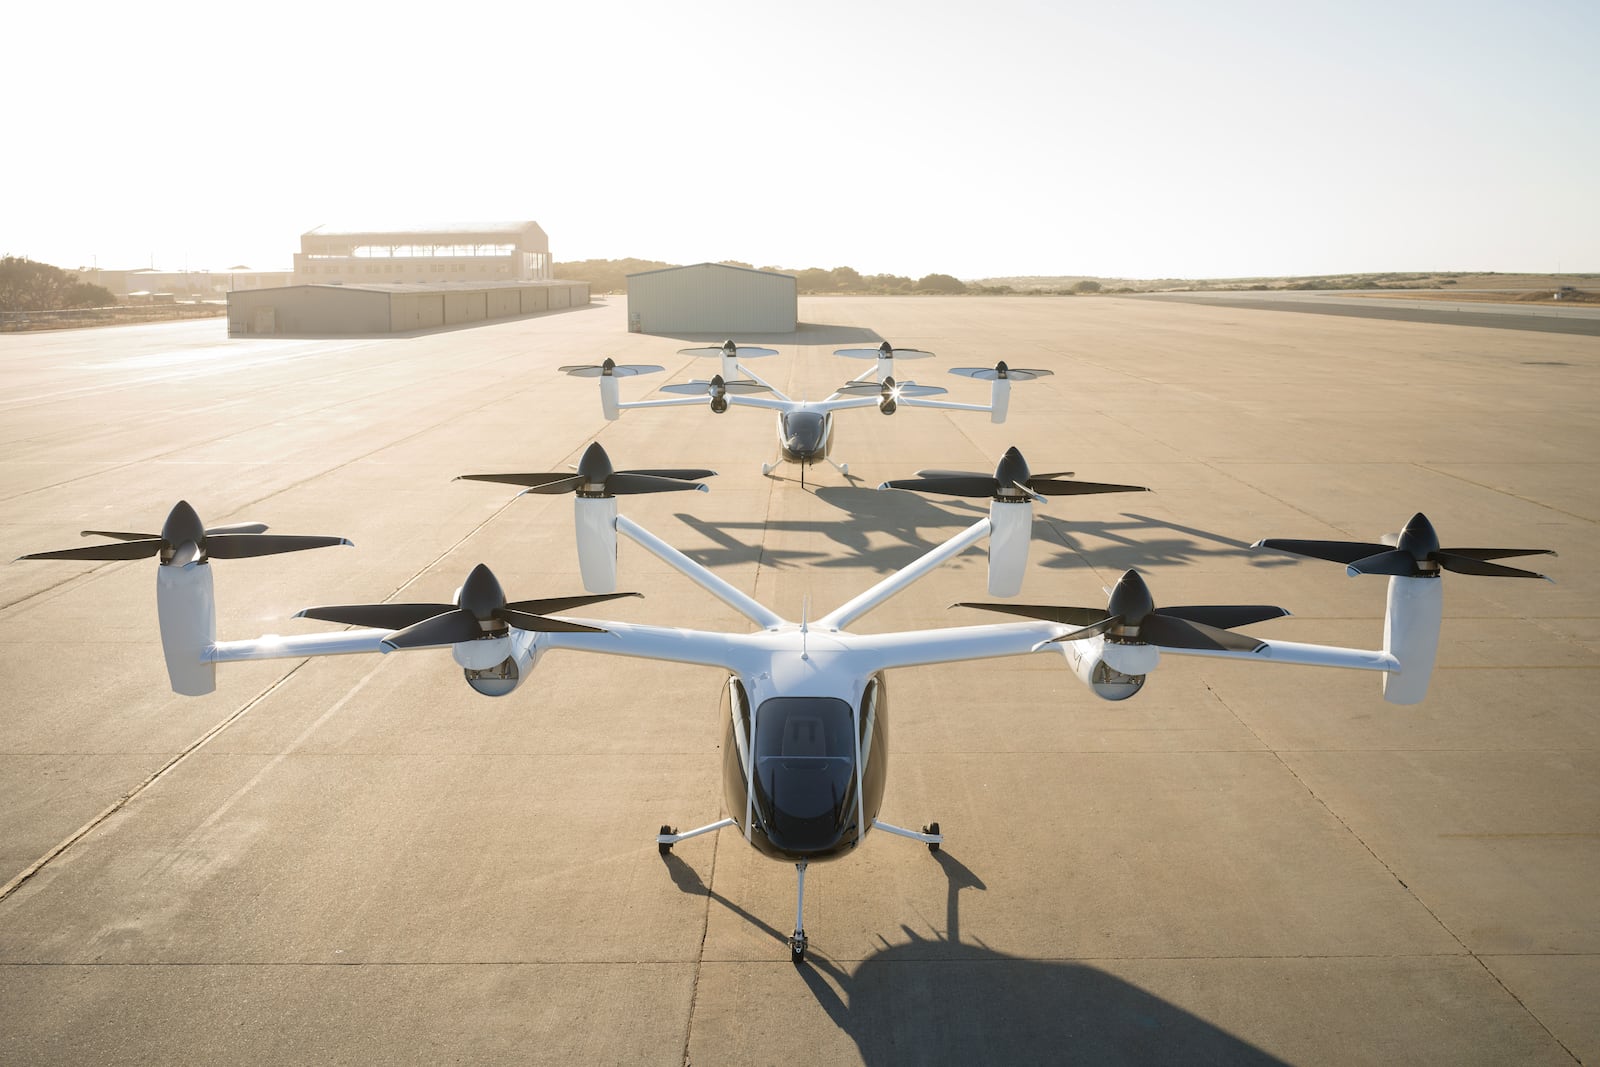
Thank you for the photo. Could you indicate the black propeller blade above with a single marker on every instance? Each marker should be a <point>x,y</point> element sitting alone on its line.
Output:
<point>595,477</point>
<point>1415,553</point>
<point>481,611</point>
<point>610,368</point>
<point>717,389</point>
<point>1011,481</point>
<point>185,539</point>
<point>888,389</point>
<point>1001,370</point>
<point>728,348</point>
<point>883,351</point>
<point>1131,617</point>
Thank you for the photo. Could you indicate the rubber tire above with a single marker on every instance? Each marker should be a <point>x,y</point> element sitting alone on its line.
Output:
<point>932,828</point>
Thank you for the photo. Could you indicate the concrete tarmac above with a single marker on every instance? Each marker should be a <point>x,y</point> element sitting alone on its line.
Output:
<point>357,859</point>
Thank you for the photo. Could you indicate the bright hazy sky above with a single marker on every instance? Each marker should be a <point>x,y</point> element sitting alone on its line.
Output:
<point>1186,139</point>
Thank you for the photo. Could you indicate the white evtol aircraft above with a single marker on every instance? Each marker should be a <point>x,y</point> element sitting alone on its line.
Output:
<point>805,427</point>
<point>804,705</point>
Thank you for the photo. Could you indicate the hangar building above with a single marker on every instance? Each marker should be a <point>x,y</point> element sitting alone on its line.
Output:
<point>353,280</point>
<point>430,255</point>
<point>712,298</point>
<point>320,310</point>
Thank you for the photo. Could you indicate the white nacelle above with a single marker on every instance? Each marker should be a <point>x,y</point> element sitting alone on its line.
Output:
<point>1089,661</point>
<point>999,399</point>
<point>596,527</point>
<point>610,397</point>
<point>1010,530</point>
<point>186,608</point>
<point>1411,635</point>
<point>519,655</point>
<point>482,654</point>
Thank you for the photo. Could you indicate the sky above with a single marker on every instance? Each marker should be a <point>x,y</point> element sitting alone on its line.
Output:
<point>1115,139</point>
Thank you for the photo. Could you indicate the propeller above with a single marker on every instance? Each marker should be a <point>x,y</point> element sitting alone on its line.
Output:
<point>480,611</point>
<point>889,392</point>
<point>610,368</point>
<point>1010,481</point>
<point>728,348</point>
<point>184,539</point>
<point>1000,370</point>
<point>1413,553</point>
<point>595,477</point>
<point>1131,617</point>
<point>883,351</point>
<point>717,389</point>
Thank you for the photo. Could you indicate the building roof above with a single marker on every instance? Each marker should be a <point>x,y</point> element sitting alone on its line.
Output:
<point>421,287</point>
<point>452,229</point>
<point>723,266</point>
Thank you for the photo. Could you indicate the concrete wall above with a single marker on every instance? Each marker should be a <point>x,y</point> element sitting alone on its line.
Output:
<point>713,299</point>
<point>309,310</point>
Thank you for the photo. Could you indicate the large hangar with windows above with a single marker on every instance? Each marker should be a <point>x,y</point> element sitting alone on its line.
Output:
<point>368,280</point>
<point>427,255</point>
<point>712,298</point>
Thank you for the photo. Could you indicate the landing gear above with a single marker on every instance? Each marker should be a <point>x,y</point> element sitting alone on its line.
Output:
<point>929,836</point>
<point>797,940</point>
<point>670,836</point>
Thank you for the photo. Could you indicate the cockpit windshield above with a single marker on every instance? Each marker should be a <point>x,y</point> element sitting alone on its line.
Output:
<point>802,431</point>
<point>805,771</point>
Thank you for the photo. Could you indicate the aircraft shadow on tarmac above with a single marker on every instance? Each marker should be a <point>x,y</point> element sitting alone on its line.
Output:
<point>939,1000</point>
<point>1134,540</point>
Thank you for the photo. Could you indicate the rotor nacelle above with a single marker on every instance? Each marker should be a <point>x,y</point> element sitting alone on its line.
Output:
<point>503,676</point>
<point>1111,672</point>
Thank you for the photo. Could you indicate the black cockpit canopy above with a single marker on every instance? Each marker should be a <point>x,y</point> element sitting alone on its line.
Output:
<point>805,773</point>
<point>804,433</point>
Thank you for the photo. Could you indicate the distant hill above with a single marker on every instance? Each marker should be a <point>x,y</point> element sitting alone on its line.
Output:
<point>611,276</point>
<point>1385,280</point>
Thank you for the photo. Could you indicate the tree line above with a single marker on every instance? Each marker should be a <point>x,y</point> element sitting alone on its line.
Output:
<point>611,276</point>
<point>29,286</point>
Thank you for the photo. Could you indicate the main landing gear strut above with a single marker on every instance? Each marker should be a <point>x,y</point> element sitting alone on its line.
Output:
<point>798,941</point>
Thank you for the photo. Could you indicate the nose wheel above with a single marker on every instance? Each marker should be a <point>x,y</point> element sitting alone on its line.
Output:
<point>797,940</point>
